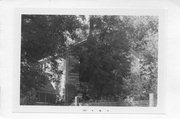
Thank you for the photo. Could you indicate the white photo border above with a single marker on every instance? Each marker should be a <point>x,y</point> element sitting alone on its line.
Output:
<point>159,109</point>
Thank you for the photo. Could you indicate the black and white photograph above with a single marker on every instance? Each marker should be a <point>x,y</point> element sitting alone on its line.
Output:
<point>89,60</point>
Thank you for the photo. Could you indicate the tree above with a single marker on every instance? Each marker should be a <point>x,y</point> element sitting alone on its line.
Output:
<point>44,36</point>
<point>103,57</point>
<point>143,33</point>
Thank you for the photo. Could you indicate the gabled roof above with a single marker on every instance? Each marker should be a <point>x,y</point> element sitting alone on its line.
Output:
<point>78,43</point>
<point>137,55</point>
<point>47,59</point>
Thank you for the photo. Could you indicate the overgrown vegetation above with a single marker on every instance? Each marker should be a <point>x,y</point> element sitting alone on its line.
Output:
<point>105,57</point>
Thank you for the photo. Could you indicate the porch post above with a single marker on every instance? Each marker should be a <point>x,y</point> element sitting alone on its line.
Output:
<point>151,99</point>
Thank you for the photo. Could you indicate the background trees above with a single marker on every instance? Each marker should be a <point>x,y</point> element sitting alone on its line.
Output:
<point>143,34</point>
<point>104,60</point>
<point>44,36</point>
<point>105,54</point>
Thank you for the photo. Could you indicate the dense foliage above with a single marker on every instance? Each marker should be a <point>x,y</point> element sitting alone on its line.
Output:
<point>43,36</point>
<point>102,44</point>
<point>104,60</point>
<point>143,35</point>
